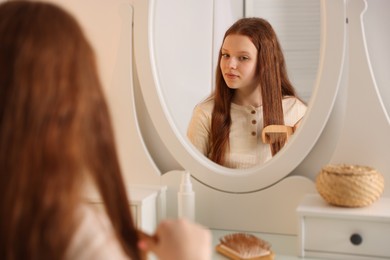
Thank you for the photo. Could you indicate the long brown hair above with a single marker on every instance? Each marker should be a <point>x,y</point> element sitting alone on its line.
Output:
<point>54,130</point>
<point>273,81</point>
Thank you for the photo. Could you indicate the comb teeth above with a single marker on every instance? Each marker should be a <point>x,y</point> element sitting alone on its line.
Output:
<point>243,246</point>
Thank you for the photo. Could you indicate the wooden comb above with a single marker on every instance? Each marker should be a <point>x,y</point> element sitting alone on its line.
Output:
<point>243,246</point>
<point>268,131</point>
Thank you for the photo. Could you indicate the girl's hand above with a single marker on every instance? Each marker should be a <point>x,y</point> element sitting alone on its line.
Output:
<point>178,239</point>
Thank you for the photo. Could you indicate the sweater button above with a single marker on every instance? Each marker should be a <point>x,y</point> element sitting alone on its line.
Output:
<point>254,122</point>
<point>253,133</point>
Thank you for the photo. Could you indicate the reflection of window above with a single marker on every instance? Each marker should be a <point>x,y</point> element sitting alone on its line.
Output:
<point>297,24</point>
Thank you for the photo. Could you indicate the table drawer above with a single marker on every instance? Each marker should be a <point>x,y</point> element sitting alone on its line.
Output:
<point>346,236</point>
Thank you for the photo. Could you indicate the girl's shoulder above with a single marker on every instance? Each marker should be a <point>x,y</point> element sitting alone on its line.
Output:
<point>94,237</point>
<point>206,105</point>
<point>294,109</point>
<point>291,101</point>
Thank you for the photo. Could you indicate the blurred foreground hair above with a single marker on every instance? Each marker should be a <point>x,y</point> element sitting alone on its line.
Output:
<point>55,134</point>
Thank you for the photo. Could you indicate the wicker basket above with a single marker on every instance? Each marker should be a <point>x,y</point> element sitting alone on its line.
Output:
<point>349,185</point>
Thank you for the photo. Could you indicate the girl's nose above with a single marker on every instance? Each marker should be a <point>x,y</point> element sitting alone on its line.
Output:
<point>232,63</point>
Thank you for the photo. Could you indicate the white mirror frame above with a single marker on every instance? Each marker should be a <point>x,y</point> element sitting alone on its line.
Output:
<point>332,50</point>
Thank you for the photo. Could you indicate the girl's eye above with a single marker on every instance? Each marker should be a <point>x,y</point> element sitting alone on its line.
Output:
<point>243,58</point>
<point>224,55</point>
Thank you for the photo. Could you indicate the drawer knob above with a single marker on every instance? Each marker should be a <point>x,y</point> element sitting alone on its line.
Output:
<point>356,239</point>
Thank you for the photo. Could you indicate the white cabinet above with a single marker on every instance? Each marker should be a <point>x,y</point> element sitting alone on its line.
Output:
<point>147,206</point>
<point>343,233</point>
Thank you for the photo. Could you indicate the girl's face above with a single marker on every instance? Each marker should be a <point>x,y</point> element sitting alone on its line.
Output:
<point>238,62</point>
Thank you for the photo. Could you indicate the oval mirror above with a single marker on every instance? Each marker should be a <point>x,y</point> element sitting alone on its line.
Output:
<point>174,43</point>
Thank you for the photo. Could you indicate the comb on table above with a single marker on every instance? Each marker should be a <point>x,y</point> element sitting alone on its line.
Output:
<point>243,246</point>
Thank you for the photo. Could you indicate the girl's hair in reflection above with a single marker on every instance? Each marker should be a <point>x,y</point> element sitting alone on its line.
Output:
<point>273,81</point>
<point>55,133</point>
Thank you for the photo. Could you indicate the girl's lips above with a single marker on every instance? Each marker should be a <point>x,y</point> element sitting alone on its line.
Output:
<point>231,76</point>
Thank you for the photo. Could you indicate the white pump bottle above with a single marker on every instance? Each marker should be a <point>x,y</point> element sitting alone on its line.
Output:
<point>186,198</point>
